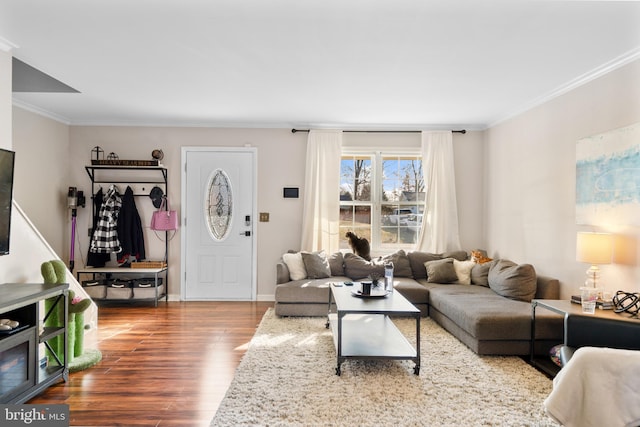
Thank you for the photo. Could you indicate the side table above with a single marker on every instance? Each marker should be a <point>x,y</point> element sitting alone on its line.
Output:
<point>565,308</point>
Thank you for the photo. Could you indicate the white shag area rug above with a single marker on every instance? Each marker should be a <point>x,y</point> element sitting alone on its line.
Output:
<point>287,378</point>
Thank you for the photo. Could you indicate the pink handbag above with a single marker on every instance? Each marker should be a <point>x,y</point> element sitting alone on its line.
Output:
<point>164,219</point>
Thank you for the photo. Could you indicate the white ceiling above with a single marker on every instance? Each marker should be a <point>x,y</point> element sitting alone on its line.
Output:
<point>354,64</point>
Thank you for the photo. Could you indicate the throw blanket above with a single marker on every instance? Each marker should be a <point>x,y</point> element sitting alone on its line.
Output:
<point>598,387</point>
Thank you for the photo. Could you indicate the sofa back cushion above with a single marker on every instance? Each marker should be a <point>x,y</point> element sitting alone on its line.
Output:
<point>417,260</point>
<point>513,281</point>
<point>480,274</point>
<point>459,255</point>
<point>336,263</point>
<point>401,264</point>
<point>356,267</point>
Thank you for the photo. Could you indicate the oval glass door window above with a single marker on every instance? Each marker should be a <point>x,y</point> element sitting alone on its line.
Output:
<point>219,205</point>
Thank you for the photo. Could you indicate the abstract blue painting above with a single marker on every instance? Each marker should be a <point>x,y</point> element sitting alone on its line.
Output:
<point>608,178</point>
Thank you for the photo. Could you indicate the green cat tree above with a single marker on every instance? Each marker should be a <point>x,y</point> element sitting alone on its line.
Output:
<point>77,358</point>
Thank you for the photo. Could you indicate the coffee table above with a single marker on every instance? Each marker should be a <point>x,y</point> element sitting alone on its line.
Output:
<point>362,326</point>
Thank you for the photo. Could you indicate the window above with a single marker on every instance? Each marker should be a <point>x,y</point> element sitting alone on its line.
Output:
<point>382,198</point>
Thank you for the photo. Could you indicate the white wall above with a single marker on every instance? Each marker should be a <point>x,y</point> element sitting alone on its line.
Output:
<point>41,176</point>
<point>281,156</point>
<point>5,99</point>
<point>530,179</point>
<point>468,151</point>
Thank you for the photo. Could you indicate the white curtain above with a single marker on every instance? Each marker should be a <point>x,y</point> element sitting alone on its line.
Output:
<point>321,211</point>
<point>439,231</point>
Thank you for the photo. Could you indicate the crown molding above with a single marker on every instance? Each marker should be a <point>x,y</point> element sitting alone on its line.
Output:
<point>40,111</point>
<point>581,80</point>
<point>6,45</point>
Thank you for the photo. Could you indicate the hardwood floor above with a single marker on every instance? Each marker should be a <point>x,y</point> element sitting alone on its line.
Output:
<point>164,366</point>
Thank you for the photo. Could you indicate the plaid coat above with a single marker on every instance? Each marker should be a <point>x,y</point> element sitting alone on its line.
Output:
<point>105,236</point>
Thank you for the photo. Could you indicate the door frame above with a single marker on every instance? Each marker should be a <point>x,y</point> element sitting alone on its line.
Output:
<point>254,214</point>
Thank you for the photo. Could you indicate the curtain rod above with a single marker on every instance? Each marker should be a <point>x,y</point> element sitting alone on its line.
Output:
<point>463,131</point>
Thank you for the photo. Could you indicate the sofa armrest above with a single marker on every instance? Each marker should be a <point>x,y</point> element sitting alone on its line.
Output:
<point>282,273</point>
<point>547,288</point>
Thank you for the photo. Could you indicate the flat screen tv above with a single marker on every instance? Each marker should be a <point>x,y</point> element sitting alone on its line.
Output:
<point>7,161</point>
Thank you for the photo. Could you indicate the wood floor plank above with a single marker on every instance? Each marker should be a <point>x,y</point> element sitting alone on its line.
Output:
<point>165,366</point>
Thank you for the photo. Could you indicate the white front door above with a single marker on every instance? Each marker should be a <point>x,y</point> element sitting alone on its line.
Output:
<point>218,247</point>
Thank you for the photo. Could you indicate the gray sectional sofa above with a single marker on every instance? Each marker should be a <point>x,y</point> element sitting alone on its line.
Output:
<point>486,306</point>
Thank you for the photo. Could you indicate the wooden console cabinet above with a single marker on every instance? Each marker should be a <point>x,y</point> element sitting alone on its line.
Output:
<point>24,369</point>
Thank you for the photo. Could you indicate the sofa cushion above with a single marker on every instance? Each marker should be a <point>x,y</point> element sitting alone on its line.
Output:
<point>307,291</point>
<point>441,271</point>
<point>480,274</point>
<point>401,264</point>
<point>411,290</point>
<point>417,260</point>
<point>295,264</point>
<point>336,263</point>
<point>513,281</point>
<point>316,264</point>
<point>357,267</point>
<point>463,271</point>
<point>481,312</point>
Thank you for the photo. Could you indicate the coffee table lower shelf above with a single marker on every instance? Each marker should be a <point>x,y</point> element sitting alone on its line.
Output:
<point>370,336</point>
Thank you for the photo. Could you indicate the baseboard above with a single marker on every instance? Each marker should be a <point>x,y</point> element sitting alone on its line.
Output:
<point>268,298</point>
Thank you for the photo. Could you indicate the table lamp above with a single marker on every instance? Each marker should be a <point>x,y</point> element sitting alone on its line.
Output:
<point>595,249</point>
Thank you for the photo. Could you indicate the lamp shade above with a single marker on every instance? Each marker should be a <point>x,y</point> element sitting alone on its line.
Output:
<point>594,248</point>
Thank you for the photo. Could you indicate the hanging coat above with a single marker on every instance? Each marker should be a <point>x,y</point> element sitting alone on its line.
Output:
<point>130,229</point>
<point>105,236</point>
<point>97,259</point>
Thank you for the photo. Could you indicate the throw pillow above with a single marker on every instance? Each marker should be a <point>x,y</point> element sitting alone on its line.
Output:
<point>480,274</point>
<point>441,271</point>
<point>356,267</point>
<point>316,264</point>
<point>401,264</point>
<point>513,281</point>
<point>417,260</point>
<point>463,271</point>
<point>295,265</point>
<point>336,262</point>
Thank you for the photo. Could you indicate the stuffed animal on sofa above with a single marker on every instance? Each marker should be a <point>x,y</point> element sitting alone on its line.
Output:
<point>479,257</point>
<point>359,245</point>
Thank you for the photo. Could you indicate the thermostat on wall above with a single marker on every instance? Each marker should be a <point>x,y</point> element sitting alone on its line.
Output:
<point>290,192</point>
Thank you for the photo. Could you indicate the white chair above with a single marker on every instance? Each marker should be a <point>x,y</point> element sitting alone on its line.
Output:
<point>598,386</point>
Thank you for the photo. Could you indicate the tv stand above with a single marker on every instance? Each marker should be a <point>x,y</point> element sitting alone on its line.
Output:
<point>23,376</point>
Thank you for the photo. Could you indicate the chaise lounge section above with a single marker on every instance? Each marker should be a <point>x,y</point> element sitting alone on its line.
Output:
<point>486,306</point>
